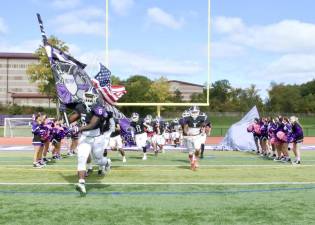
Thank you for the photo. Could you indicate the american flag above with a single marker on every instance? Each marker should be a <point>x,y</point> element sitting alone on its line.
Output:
<point>111,93</point>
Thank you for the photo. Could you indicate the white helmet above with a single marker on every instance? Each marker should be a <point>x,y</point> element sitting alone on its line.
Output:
<point>148,119</point>
<point>158,119</point>
<point>194,111</point>
<point>185,114</point>
<point>175,120</point>
<point>90,97</point>
<point>135,117</point>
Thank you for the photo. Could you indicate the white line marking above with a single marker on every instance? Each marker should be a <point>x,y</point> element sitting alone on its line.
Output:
<point>227,165</point>
<point>166,183</point>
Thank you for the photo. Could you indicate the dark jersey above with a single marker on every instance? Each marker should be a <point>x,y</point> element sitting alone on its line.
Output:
<point>159,127</point>
<point>117,130</point>
<point>86,115</point>
<point>175,126</point>
<point>137,126</point>
<point>199,122</point>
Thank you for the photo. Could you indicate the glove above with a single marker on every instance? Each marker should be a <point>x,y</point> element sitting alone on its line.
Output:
<point>74,130</point>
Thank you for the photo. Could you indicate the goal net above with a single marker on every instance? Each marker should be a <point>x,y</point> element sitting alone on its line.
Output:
<point>17,127</point>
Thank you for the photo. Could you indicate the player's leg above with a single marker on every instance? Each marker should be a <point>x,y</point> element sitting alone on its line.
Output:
<point>73,145</point>
<point>154,144</point>
<point>119,146</point>
<point>297,152</point>
<point>37,147</point>
<point>89,166</point>
<point>45,151</point>
<point>141,140</point>
<point>286,152</point>
<point>203,139</point>
<point>84,150</point>
<point>97,153</point>
<point>191,154</point>
<point>160,142</point>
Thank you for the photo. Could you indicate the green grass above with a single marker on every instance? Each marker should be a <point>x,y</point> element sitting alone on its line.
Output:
<point>110,202</point>
<point>220,125</point>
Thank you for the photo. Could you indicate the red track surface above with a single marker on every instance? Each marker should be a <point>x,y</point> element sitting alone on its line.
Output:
<point>210,140</point>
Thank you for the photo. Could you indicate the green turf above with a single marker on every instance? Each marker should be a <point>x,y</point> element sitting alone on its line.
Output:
<point>163,203</point>
<point>220,125</point>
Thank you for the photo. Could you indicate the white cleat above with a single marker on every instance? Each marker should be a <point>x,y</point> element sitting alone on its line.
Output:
<point>124,159</point>
<point>80,187</point>
<point>107,166</point>
<point>144,157</point>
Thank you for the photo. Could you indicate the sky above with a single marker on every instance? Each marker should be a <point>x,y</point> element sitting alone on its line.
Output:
<point>252,42</point>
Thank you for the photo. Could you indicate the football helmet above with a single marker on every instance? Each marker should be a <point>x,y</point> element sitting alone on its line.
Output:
<point>158,119</point>
<point>148,119</point>
<point>135,117</point>
<point>185,114</point>
<point>90,97</point>
<point>194,111</point>
<point>175,120</point>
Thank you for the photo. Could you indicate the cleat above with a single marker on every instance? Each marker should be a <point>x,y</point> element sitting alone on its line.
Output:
<point>46,160</point>
<point>37,165</point>
<point>89,172</point>
<point>70,154</point>
<point>101,172</point>
<point>80,187</point>
<point>296,162</point>
<point>107,166</point>
<point>124,159</point>
<point>144,157</point>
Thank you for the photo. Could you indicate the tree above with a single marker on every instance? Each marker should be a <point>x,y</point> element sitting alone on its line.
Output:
<point>177,96</point>
<point>41,73</point>
<point>159,91</point>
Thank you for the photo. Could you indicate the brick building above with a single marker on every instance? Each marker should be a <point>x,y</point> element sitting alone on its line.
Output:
<point>15,86</point>
<point>187,89</point>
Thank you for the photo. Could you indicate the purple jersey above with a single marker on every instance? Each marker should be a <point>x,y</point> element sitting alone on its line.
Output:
<point>297,134</point>
<point>264,129</point>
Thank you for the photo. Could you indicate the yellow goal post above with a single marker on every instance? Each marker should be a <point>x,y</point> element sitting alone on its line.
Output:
<point>160,104</point>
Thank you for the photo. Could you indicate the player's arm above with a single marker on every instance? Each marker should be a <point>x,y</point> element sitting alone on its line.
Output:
<point>92,124</point>
<point>74,117</point>
<point>185,129</point>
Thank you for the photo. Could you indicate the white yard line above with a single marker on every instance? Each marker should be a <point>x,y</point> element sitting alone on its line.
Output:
<point>167,183</point>
<point>201,166</point>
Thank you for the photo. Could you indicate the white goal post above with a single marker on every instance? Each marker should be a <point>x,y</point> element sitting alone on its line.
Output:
<point>17,127</point>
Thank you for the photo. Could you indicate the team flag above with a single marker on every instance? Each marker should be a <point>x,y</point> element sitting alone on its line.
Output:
<point>71,80</point>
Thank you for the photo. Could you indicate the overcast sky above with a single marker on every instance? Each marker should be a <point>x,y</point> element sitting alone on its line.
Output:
<point>252,42</point>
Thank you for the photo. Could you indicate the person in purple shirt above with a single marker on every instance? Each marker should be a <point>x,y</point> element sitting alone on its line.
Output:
<point>58,134</point>
<point>283,134</point>
<point>39,133</point>
<point>264,136</point>
<point>296,138</point>
<point>272,127</point>
<point>49,124</point>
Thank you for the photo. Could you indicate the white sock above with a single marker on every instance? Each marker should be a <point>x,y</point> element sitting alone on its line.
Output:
<point>81,181</point>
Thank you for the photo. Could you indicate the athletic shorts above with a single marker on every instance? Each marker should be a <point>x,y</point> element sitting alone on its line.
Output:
<point>115,142</point>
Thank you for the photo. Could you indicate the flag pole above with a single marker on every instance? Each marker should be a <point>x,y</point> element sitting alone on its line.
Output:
<point>106,37</point>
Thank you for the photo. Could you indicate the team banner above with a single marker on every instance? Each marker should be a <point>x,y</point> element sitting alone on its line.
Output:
<point>71,80</point>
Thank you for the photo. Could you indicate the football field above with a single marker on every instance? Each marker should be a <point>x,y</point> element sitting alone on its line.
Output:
<point>228,188</point>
